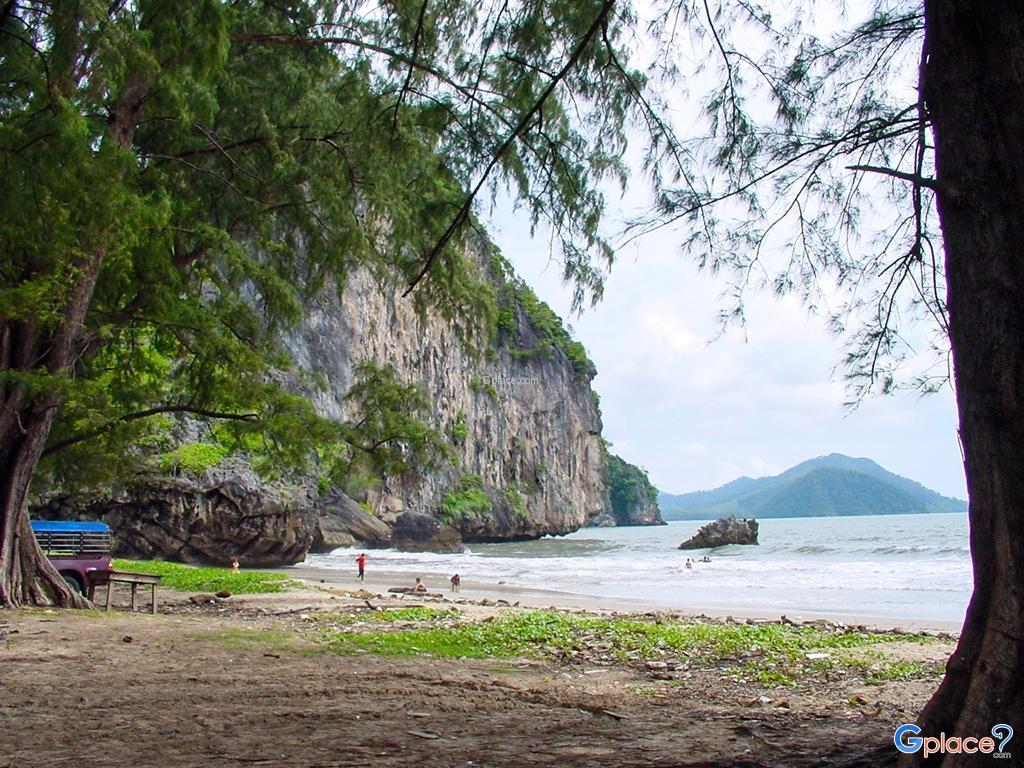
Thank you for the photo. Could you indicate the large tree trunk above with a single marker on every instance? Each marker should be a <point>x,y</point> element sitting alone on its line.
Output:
<point>26,416</point>
<point>974,92</point>
<point>26,575</point>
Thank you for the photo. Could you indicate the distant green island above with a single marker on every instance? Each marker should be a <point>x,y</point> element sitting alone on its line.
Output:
<point>828,486</point>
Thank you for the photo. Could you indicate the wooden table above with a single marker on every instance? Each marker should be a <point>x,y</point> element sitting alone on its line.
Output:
<point>98,578</point>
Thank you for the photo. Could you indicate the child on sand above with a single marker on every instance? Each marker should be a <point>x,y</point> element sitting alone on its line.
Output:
<point>419,586</point>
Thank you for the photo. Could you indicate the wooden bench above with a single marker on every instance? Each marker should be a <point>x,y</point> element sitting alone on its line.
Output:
<point>99,578</point>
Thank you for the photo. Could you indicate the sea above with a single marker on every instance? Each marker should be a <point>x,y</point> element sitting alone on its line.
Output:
<point>894,569</point>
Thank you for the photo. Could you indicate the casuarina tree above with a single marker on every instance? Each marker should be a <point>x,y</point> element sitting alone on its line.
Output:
<point>881,160</point>
<point>179,177</point>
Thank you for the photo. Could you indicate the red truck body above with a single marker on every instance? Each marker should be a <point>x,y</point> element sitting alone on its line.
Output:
<point>76,549</point>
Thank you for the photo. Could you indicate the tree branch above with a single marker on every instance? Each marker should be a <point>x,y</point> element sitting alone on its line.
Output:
<point>524,123</point>
<point>913,178</point>
<point>415,57</point>
<point>68,442</point>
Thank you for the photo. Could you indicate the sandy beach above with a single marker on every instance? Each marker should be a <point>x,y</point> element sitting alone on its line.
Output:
<point>250,681</point>
<point>379,581</point>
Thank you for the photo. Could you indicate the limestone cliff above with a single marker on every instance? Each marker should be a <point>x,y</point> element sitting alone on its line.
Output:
<point>515,409</point>
<point>523,421</point>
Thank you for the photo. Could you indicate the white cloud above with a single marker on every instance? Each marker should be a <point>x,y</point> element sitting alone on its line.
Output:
<point>754,401</point>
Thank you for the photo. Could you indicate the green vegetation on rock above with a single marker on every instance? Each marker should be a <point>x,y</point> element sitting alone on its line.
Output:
<point>513,494</point>
<point>459,429</point>
<point>193,457</point>
<point>467,499</point>
<point>628,486</point>
<point>545,334</point>
<point>484,387</point>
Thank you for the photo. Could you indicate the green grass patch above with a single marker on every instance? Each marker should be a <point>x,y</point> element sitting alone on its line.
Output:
<point>390,615</point>
<point>188,578</point>
<point>769,676</point>
<point>770,654</point>
<point>898,670</point>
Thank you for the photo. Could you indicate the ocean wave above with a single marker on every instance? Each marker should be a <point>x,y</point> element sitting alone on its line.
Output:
<point>854,566</point>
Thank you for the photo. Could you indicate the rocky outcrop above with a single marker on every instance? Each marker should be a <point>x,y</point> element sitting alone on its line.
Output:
<point>633,498</point>
<point>343,523</point>
<point>518,410</point>
<point>203,521</point>
<point>417,532</point>
<point>521,416</point>
<point>725,530</point>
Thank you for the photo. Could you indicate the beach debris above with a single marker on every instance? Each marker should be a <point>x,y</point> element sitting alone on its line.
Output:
<point>371,606</point>
<point>656,664</point>
<point>127,639</point>
<point>814,656</point>
<point>425,734</point>
<point>272,655</point>
<point>614,715</point>
<point>858,699</point>
<point>417,714</point>
<point>222,594</point>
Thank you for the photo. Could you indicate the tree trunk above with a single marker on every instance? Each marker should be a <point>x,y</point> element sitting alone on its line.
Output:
<point>26,575</point>
<point>974,91</point>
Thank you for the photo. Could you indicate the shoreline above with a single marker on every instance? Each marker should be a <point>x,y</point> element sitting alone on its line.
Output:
<point>379,581</point>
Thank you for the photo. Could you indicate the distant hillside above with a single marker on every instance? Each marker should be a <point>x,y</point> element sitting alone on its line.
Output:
<point>832,485</point>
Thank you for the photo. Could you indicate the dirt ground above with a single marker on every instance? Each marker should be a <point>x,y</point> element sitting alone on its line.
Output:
<point>241,683</point>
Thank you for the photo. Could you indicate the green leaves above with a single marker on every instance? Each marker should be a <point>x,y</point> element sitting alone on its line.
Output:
<point>628,485</point>
<point>389,434</point>
<point>466,500</point>
<point>211,166</point>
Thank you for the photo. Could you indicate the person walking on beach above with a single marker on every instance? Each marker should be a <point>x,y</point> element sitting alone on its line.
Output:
<point>456,583</point>
<point>361,565</point>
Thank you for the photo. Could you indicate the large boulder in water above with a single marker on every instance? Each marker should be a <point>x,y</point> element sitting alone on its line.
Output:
<point>725,530</point>
<point>416,532</point>
<point>344,523</point>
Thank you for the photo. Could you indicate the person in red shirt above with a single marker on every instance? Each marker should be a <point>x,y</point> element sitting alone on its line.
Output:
<point>361,564</point>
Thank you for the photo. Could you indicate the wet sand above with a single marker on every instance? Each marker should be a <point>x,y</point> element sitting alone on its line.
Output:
<point>379,581</point>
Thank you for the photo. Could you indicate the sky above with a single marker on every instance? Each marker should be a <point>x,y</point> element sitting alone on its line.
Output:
<point>697,409</point>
